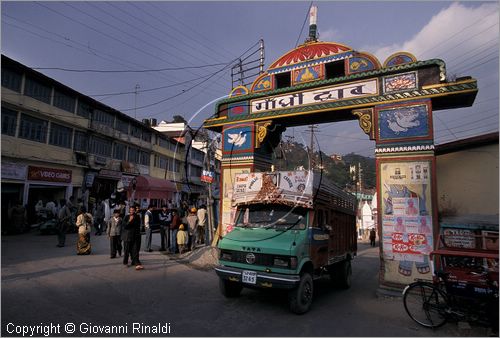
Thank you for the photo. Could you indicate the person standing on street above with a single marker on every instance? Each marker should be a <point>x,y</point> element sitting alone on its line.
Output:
<point>202,222</point>
<point>165,220</point>
<point>84,223</point>
<point>132,238</point>
<point>174,227</point>
<point>182,239</point>
<point>63,218</point>
<point>99,217</point>
<point>148,219</point>
<point>372,236</point>
<point>114,233</point>
<point>192,221</point>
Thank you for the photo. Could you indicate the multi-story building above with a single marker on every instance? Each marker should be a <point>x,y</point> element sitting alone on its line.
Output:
<point>57,143</point>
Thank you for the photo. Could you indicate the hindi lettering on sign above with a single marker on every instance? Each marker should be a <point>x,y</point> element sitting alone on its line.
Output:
<point>333,93</point>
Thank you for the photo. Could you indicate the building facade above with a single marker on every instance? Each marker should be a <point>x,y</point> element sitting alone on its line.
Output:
<point>58,143</point>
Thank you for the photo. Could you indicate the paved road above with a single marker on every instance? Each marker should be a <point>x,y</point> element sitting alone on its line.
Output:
<point>43,285</point>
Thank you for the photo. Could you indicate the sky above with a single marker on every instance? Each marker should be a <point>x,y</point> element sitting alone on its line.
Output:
<point>164,58</point>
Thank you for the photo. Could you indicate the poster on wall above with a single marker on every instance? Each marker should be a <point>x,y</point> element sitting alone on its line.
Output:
<point>407,214</point>
<point>228,188</point>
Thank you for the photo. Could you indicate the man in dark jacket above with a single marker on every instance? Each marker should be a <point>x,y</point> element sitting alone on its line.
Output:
<point>131,236</point>
<point>174,227</point>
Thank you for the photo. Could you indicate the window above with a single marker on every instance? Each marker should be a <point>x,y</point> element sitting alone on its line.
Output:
<point>161,162</point>
<point>163,142</point>
<point>283,80</point>
<point>144,158</point>
<point>133,155</point>
<point>120,151</point>
<point>146,136</point>
<point>178,167</point>
<point>135,131</point>
<point>195,171</point>
<point>84,109</point>
<point>102,117</point>
<point>9,121</point>
<point>122,126</point>
<point>60,135</point>
<point>100,146</point>
<point>197,155</point>
<point>81,141</point>
<point>64,101</point>
<point>11,79</point>
<point>334,69</point>
<point>33,129</point>
<point>37,90</point>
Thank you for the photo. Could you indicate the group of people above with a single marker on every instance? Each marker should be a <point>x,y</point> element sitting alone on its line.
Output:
<point>123,228</point>
<point>177,232</point>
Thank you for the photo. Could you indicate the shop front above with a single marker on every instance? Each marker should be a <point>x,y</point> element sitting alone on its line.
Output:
<point>48,184</point>
<point>145,189</point>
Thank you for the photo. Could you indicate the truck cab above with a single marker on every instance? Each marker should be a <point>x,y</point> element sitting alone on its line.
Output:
<point>289,229</point>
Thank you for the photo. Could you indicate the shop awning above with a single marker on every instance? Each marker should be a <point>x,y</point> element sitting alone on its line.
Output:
<point>152,188</point>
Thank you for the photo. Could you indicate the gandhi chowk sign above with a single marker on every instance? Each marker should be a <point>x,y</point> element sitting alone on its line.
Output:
<point>325,94</point>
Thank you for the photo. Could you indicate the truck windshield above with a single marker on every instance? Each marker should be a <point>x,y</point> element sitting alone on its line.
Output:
<point>271,217</point>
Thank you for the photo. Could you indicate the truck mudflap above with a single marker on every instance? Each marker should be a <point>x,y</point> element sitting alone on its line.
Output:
<point>259,279</point>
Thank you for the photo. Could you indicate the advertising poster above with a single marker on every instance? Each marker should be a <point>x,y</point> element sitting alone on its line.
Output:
<point>407,214</point>
<point>228,186</point>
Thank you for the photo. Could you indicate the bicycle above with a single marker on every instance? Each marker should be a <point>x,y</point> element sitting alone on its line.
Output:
<point>463,290</point>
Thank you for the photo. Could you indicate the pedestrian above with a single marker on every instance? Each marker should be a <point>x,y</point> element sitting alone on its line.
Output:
<point>99,217</point>
<point>84,221</point>
<point>18,217</point>
<point>138,214</point>
<point>63,219</point>
<point>51,209</point>
<point>202,222</point>
<point>192,221</point>
<point>132,238</point>
<point>372,236</point>
<point>148,220</point>
<point>114,233</point>
<point>174,227</point>
<point>182,239</point>
<point>165,218</point>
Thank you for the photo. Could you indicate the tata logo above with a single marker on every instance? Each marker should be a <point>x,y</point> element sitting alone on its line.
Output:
<point>247,248</point>
<point>250,258</point>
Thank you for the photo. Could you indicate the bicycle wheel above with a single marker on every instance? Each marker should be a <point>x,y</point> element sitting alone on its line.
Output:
<point>425,304</point>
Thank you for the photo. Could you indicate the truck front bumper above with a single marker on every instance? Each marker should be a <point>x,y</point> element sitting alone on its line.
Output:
<point>264,279</point>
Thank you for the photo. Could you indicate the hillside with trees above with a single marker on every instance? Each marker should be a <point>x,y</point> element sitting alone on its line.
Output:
<point>293,155</point>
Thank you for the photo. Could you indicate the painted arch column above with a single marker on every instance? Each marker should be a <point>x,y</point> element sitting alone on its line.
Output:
<point>406,188</point>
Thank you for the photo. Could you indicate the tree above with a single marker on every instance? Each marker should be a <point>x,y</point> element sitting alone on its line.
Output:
<point>179,119</point>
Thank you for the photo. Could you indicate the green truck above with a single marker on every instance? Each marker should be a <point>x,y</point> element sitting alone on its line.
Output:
<point>290,228</point>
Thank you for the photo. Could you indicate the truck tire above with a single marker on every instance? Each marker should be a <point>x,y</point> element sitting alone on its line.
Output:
<point>229,289</point>
<point>343,273</point>
<point>300,298</point>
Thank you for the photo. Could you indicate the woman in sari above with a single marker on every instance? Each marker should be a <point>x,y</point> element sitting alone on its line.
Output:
<point>84,221</point>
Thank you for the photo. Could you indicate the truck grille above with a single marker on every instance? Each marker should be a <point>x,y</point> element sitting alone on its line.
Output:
<point>260,259</point>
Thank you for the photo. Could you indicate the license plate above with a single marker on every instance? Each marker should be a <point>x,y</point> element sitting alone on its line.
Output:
<point>249,277</point>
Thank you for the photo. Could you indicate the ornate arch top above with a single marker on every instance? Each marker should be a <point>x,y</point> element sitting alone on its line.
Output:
<point>310,51</point>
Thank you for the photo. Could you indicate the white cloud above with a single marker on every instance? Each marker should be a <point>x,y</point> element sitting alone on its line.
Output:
<point>452,34</point>
<point>330,34</point>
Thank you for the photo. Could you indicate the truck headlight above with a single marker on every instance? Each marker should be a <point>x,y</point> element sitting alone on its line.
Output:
<point>281,262</point>
<point>225,256</point>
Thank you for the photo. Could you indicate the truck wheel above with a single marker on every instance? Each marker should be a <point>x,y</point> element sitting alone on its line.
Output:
<point>229,289</point>
<point>301,297</point>
<point>343,274</point>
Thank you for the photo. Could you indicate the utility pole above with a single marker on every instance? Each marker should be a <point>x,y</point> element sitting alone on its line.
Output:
<point>312,128</point>
<point>135,100</point>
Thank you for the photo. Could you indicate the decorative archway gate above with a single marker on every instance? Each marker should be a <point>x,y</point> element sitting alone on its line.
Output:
<point>322,82</point>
